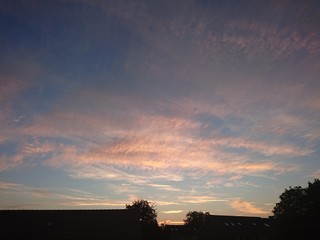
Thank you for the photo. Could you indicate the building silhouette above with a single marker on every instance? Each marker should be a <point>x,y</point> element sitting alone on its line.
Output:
<point>70,224</point>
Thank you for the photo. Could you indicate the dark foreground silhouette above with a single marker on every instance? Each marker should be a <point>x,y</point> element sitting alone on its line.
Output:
<point>295,217</point>
<point>70,224</point>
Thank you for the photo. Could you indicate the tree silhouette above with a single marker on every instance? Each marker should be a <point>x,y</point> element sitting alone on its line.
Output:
<point>148,218</point>
<point>147,211</point>
<point>195,219</point>
<point>296,213</point>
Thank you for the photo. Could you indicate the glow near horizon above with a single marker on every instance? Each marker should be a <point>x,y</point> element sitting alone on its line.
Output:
<point>193,105</point>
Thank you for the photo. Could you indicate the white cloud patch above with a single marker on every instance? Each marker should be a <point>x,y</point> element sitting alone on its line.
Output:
<point>164,187</point>
<point>200,199</point>
<point>172,211</point>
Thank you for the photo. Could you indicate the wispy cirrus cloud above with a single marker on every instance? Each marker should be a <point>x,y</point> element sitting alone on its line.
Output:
<point>8,162</point>
<point>200,199</point>
<point>158,142</point>
<point>247,207</point>
<point>172,211</point>
<point>165,187</point>
<point>262,37</point>
<point>10,186</point>
<point>88,164</point>
<point>52,197</point>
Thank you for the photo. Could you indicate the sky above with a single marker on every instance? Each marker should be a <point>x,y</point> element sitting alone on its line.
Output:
<point>192,105</point>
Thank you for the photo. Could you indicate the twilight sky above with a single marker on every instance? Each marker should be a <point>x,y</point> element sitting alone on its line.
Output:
<point>193,105</point>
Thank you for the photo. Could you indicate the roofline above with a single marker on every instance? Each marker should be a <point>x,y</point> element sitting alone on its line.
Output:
<point>35,210</point>
<point>239,216</point>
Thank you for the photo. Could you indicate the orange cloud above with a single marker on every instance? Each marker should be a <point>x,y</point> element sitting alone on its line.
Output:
<point>10,186</point>
<point>172,211</point>
<point>259,146</point>
<point>101,144</point>
<point>165,153</point>
<point>247,207</point>
<point>200,199</point>
<point>7,162</point>
<point>165,187</point>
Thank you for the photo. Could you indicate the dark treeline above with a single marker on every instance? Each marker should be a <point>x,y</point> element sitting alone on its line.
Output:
<point>294,216</point>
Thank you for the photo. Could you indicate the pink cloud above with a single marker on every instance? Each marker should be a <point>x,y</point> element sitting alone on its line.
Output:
<point>164,187</point>
<point>265,148</point>
<point>145,141</point>
<point>162,144</point>
<point>200,199</point>
<point>8,162</point>
<point>10,186</point>
<point>262,39</point>
<point>247,207</point>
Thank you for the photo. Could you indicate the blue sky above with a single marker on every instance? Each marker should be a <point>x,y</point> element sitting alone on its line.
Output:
<point>192,105</point>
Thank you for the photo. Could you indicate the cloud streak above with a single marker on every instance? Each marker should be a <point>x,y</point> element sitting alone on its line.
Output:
<point>159,142</point>
<point>51,198</point>
<point>172,211</point>
<point>247,207</point>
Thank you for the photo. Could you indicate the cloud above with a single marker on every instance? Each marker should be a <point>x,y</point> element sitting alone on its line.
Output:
<point>10,90</point>
<point>104,163</point>
<point>94,203</point>
<point>185,46</point>
<point>164,187</point>
<point>84,165</point>
<point>265,148</point>
<point>10,186</point>
<point>143,143</point>
<point>125,188</point>
<point>149,141</point>
<point>240,184</point>
<point>35,147</point>
<point>16,188</point>
<point>165,203</point>
<point>52,198</point>
<point>200,199</point>
<point>172,211</point>
<point>247,207</point>
<point>8,162</point>
<point>261,37</point>
<point>153,142</point>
